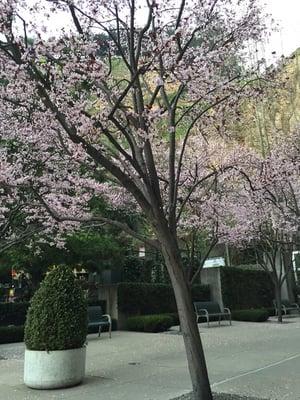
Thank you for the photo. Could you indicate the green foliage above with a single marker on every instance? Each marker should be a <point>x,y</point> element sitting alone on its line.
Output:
<point>57,316</point>
<point>150,323</point>
<point>253,315</point>
<point>244,289</point>
<point>147,298</point>
<point>101,303</point>
<point>5,273</point>
<point>95,250</point>
<point>150,270</point>
<point>175,318</point>
<point>13,313</point>
<point>271,311</point>
<point>200,293</point>
<point>11,334</point>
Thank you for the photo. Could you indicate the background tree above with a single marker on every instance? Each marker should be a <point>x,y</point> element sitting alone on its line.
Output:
<point>262,208</point>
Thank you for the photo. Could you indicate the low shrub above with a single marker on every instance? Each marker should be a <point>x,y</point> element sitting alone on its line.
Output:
<point>150,323</point>
<point>253,315</point>
<point>11,334</point>
<point>175,318</point>
<point>13,313</point>
<point>271,311</point>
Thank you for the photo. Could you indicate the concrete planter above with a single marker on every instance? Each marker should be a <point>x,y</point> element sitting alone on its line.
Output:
<point>54,369</point>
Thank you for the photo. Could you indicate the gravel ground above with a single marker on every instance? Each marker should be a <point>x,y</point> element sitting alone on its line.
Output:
<point>220,396</point>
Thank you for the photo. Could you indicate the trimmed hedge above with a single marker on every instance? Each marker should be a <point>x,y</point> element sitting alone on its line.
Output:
<point>57,316</point>
<point>271,311</point>
<point>150,298</point>
<point>13,313</point>
<point>11,334</point>
<point>253,315</point>
<point>101,303</point>
<point>150,323</point>
<point>175,318</point>
<point>245,289</point>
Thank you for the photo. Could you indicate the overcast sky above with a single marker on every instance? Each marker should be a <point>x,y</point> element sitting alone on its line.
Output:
<point>287,14</point>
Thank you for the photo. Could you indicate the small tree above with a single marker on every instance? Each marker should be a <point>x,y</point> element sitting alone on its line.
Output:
<point>57,316</point>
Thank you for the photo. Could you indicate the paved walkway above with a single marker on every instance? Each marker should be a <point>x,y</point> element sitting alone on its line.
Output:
<point>255,359</point>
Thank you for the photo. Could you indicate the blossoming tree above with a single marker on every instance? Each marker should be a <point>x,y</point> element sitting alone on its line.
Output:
<point>262,208</point>
<point>126,114</point>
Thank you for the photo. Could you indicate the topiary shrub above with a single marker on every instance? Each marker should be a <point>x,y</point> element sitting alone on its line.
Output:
<point>57,316</point>
<point>254,315</point>
<point>150,323</point>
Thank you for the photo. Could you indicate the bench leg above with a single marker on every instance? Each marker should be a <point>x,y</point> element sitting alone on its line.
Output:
<point>207,318</point>
<point>99,333</point>
<point>219,320</point>
<point>109,331</point>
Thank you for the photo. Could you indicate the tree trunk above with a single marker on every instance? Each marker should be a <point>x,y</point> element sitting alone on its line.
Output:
<point>278,302</point>
<point>288,269</point>
<point>189,327</point>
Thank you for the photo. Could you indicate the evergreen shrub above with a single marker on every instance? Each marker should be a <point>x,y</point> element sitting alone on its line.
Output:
<point>253,315</point>
<point>150,323</point>
<point>57,316</point>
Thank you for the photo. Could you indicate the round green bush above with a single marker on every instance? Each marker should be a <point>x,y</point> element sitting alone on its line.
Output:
<point>252,315</point>
<point>57,316</point>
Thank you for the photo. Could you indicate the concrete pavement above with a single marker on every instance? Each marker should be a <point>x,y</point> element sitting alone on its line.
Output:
<point>254,359</point>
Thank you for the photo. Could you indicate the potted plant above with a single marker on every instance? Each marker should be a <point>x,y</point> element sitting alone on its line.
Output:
<point>55,332</point>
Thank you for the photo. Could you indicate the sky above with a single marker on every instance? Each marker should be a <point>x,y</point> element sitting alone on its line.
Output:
<point>285,41</point>
<point>287,14</point>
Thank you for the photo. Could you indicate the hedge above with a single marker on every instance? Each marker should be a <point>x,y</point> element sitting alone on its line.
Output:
<point>147,298</point>
<point>253,315</point>
<point>13,313</point>
<point>150,323</point>
<point>11,334</point>
<point>101,303</point>
<point>245,289</point>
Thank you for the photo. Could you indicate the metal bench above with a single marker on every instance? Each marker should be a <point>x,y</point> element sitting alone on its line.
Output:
<point>286,307</point>
<point>211,309</point>
<point>97,319</point>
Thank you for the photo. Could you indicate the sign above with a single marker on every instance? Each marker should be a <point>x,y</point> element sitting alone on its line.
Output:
<point>214,262</point>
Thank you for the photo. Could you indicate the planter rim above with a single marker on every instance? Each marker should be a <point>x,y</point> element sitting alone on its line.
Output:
<point>51,351</point>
